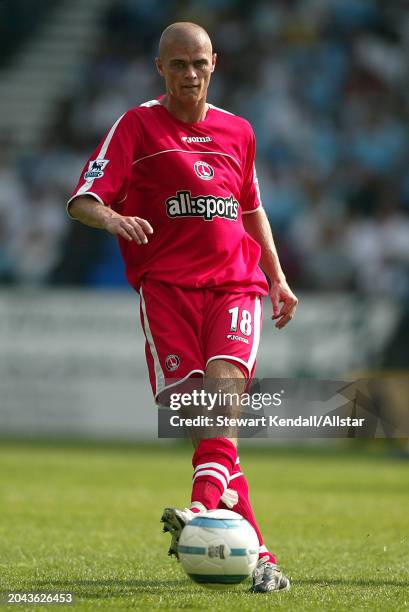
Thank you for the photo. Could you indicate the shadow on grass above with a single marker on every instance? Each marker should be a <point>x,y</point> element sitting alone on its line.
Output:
<point>90,589</point>
<point>112,588</point>
<point>348,582</point>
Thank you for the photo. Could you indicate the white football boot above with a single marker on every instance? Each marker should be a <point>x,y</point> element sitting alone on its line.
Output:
<point>174,520</point>
<point>268,578</point>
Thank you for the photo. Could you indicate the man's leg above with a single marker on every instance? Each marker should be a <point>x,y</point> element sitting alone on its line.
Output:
<point>217,370</point>
<point>214,459</point>
<point>267,577</point>
<point>219,483</point>
<point>238,483</point>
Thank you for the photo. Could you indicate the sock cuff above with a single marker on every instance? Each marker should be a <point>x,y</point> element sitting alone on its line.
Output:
<point>197,507</point>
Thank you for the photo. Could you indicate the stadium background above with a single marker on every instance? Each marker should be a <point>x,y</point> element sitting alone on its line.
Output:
<point>324,83</point>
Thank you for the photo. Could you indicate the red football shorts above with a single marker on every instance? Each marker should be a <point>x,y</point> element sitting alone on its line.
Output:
<point>185,329</point>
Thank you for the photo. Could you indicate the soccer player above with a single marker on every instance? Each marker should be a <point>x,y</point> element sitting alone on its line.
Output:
<point>174,180</point>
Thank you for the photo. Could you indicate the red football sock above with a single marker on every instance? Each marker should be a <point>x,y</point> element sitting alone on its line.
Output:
<point>213,462</point>
<point>238,483</point>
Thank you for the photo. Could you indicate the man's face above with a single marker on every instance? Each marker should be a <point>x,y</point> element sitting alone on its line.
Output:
<point>186,68</point>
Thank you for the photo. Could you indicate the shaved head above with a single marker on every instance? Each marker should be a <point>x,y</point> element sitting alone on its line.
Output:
<point>186,34</point>
<point>186,62</point>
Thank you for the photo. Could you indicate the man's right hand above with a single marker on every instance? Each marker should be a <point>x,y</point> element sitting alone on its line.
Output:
<point>91,212</point>
<point>130,228</point>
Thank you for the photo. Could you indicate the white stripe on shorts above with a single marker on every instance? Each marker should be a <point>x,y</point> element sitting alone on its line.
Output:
<point>159,375</point>
<point>256,337</point>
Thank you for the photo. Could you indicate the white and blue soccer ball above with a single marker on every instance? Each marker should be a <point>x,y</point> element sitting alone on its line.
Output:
<point>218,549</point>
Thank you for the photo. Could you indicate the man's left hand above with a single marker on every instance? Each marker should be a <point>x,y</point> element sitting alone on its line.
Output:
<point>280,293</point>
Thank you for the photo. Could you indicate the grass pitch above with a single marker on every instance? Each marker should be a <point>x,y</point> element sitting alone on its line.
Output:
<point>85,519</point>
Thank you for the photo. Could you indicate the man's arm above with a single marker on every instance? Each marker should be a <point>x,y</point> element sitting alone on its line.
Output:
<point>257,225</point>
<point>89,211</point>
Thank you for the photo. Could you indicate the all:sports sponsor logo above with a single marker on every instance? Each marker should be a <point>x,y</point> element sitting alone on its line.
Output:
<point>206,206</point>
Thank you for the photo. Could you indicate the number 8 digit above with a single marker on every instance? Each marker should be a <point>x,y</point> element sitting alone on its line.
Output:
<point>245,323</point>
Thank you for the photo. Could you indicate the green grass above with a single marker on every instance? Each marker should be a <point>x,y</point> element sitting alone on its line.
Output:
<point>84,518</point>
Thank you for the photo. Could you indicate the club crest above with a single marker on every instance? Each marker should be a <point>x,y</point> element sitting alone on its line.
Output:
<point>204,170</point>
<point>172,362</point>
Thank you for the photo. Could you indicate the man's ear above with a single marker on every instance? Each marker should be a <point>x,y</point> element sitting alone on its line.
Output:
<point>214,58</point>
<point>158,64</point>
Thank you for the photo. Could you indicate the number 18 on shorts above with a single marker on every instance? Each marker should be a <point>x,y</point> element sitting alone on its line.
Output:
<point>187,329</point>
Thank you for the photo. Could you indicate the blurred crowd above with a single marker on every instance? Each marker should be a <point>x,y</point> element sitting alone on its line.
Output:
<point>19,19</point>
<point>325,85</point>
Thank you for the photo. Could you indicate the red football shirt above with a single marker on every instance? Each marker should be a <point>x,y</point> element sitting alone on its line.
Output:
<point>192,182</point>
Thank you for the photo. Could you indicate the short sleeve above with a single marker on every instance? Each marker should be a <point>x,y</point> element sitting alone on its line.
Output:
<point>107,172</point>
<point>250,199</point>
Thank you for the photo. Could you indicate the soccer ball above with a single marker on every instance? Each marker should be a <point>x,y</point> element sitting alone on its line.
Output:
<point>218,549</point>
